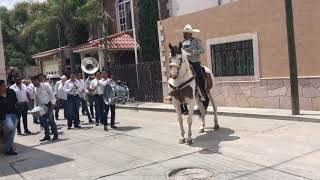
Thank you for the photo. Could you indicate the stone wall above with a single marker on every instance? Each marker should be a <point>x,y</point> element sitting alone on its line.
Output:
<point>268,93</point>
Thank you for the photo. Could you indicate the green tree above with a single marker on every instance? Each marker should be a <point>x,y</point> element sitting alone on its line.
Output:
<point>148,31</point>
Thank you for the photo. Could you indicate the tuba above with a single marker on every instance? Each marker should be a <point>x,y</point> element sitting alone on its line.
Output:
<point>115,93</point>
<point>90,65</point>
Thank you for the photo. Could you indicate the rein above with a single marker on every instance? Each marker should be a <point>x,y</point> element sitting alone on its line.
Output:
<point>181,86</point>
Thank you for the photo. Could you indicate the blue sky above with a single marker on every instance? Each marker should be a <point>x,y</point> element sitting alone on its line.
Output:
<point>10,3</point>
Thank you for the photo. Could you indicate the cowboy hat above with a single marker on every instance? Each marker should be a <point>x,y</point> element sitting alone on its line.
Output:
<point>188,29</point>
<point>63,77</point>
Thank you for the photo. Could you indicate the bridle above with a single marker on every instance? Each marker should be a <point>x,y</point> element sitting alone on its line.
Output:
<point>177,66</point>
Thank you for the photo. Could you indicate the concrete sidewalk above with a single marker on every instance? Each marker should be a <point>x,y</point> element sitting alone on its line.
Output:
<point>306,116</point>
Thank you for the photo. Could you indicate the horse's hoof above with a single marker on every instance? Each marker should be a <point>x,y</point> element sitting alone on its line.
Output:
<point>189,141</point>
<point>182,141</point>
<point>216,127</point>
<point>201,130</point>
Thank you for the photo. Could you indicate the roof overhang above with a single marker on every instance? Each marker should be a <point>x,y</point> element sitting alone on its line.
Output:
<point>49,52</point>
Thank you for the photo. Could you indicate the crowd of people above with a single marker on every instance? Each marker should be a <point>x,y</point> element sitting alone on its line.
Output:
<point>69,93</point>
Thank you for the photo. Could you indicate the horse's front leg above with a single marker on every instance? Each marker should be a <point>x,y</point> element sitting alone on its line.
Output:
<point>179,114</point>
<point>191,111</point>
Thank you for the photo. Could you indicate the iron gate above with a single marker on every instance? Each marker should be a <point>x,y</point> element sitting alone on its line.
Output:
<point>150,80</point>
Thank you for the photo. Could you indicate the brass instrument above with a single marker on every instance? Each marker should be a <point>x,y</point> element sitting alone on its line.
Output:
<point>90,65</point>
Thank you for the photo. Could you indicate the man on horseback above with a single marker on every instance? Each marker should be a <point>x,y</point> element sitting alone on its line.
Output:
<point>193,46</point>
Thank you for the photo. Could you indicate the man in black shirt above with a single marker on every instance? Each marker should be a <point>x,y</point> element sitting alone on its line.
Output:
<point>8,115</point>
<point>11,76</point>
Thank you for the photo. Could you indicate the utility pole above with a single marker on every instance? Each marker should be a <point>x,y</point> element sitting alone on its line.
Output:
<point>135,41</point>
<point>292,59</point>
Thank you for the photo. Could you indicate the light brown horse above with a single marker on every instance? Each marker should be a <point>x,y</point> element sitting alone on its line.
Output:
<point>183,89</point>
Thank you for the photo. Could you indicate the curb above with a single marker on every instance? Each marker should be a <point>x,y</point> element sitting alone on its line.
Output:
<point>299,118</point>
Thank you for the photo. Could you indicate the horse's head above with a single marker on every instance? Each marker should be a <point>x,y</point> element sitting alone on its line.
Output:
<point>175,60</point>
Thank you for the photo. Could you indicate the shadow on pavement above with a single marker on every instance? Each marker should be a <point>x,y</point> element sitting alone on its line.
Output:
<point>126,128</point>
<point>211,139</point>
<point>32,134</point>
<point>29,159</point>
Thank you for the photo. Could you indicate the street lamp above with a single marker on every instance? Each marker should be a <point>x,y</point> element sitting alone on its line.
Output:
<point>292,59</point>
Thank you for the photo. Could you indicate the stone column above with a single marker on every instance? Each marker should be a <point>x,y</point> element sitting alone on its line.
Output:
<point>3,74</point>
<point>101,58</point>
<point>82,56</point>
<point>163,63</point>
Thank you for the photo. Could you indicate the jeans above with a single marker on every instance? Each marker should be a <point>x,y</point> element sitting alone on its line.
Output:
<point>91,101</point>
<point>48,120</point>
<point>113,114</point>
<point>9,124</point>
<point>85,109</point>
<point>100,108</point>
<point>60,103</point>
<point>73,103</point>
<point>22,109</point>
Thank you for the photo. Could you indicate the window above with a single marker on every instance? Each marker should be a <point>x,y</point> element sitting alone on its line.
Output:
<point>124,15</point>
<point>68,62</point>
<point>233,59</point>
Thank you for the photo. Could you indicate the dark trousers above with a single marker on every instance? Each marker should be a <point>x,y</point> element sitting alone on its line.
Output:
<point>113,114</point>
<point>22,109</point>
<point>100,108</point>
<point>61,103</point>
<point>91,101</point>
<point>48,120</point>
<point>199,76</point>
<point>73,103</point>
<point>85,109</point>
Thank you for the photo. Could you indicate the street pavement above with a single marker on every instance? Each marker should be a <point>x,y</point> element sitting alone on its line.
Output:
<point>145,147</point>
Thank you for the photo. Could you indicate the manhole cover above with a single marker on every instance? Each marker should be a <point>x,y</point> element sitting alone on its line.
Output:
<point>190,173</point>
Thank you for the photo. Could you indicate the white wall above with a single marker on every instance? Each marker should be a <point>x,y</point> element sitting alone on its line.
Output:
<point>51,65</point>
<point>181,7</point>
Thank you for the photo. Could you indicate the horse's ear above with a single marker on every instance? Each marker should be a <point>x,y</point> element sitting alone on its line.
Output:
<point>170,46</point>
<point>180,46</point>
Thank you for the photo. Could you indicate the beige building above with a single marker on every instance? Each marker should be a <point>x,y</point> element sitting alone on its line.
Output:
<point>246,48</point>
<point>55,62</point>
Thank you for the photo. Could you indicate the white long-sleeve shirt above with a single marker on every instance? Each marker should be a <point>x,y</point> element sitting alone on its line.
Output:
<point>84,88</point>
<point>59,91</point>
<point>98,84</point>
<point>73,87</point>
<point>44,95</point>
<point>21,93</point>
<point>30,90</point>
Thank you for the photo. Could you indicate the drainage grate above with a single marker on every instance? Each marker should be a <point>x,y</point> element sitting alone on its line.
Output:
<point>190,173</point>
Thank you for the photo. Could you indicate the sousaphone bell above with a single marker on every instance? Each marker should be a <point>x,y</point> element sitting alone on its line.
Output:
<point>90,65</point>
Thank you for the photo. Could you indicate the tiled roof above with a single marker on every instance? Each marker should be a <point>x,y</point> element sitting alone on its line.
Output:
<point>48,53</point>
<point>119,41</point>
<point>90,44</point>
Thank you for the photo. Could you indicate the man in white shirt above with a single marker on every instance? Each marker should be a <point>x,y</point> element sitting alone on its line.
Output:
<point>90,95</point>
<point>61,97</point>
<point>73,88</point>
<point>22,105</point>
<point>44,97</point>
<point>30,89</point>
<point>83,94</point>
<point>96,86</point>
<point>111,107</point>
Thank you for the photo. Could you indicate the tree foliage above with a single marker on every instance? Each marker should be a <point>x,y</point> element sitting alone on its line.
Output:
<point>34,27</point>
<point>148,31</point>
